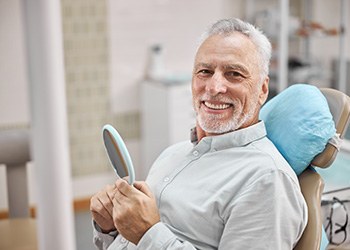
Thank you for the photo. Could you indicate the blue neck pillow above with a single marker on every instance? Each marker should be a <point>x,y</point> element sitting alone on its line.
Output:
<point>298,121</point>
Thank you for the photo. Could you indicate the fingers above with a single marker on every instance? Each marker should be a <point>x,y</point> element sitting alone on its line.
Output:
<point>125,192</point>
<point>101,203</point>
<point>143,187</point>
<point>134,210</point>
<point>101,216</point>
<point>116,201</point>
<point>123,187</point>
<point>108,198</point>
<point>101,207</point>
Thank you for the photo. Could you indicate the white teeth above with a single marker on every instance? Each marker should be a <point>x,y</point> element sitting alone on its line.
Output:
<point>216,106</point>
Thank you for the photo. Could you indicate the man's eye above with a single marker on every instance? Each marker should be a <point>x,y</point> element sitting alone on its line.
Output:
<point>204,72</point>
<point>234,74</point>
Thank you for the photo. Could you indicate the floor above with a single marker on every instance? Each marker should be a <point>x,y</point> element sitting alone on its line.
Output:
<point>83,231</point>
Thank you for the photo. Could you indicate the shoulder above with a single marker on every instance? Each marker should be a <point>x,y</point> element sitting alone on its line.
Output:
<point>273,159</point>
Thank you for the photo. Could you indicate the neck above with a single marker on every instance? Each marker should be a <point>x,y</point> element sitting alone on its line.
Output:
<point>201,133</point>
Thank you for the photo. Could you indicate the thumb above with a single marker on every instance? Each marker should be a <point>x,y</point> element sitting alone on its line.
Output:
<point>143,187</point>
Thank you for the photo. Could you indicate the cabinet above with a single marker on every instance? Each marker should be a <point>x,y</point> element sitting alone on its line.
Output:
<point>167,116</point>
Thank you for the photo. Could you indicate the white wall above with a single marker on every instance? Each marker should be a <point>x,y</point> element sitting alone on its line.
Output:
<point>13,80</point>
<point>135,25</point>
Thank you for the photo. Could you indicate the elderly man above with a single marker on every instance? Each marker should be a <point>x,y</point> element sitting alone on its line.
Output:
<point>230,188</point>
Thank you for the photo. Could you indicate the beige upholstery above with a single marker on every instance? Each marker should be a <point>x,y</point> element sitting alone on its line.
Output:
<point>311,185</point>
<point>311,182</point>
<point>339,105</point>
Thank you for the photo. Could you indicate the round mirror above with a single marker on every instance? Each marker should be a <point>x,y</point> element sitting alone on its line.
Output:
<point>118,154</point>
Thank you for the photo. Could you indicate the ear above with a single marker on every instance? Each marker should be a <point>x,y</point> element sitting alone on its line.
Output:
<point>264,91</point>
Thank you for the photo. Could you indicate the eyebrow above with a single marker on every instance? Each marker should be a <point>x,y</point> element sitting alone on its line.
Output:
<point>203,65</point>
<point>238,67</point>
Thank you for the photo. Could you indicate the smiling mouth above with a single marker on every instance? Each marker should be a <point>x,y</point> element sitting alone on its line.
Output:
<point>214,106</point>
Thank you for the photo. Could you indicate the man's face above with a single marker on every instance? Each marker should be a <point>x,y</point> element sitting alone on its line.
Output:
<point>226,84</point>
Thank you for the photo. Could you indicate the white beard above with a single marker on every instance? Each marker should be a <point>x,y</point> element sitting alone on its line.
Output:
<point>212,123</point>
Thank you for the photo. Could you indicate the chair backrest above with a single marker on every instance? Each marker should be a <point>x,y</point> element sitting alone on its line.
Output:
<point>14,154</point>
<point>310,181</point>
<point>339,105</point>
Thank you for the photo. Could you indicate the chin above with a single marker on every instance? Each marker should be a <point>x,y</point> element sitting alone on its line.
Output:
<point>217,126</point>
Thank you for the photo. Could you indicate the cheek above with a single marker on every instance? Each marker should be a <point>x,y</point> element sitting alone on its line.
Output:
<point>243,95</point>
<point>251,102</point>
<point>239,92</point>
<point>197,84</point>
<point>195,95</point>
<point>197,88</point>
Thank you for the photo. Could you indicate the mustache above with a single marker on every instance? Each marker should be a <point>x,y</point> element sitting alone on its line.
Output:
<point>218,98</point>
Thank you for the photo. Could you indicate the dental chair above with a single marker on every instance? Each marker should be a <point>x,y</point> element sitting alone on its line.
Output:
<point>306,124</point>
<point>311,182</point>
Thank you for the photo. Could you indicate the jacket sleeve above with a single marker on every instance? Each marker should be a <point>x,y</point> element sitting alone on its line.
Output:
<point>160,237</point>
<point>102,240</point>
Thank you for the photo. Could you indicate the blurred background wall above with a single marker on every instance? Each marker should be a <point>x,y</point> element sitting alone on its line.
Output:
<point>106,45</point>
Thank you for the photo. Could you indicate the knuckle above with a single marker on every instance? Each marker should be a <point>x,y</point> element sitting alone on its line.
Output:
<point>110,187</point>
<point>142,202</point>
<point>123,184</point>
<point>97,207</point>
<point>111,194</point>
<point>92,203</point>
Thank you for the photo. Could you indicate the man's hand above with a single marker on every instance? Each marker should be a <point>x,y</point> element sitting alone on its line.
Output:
<point>134,210</point>
<point>101,207</point>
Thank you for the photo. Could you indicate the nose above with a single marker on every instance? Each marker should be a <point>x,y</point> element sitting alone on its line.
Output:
<point>216,85</point>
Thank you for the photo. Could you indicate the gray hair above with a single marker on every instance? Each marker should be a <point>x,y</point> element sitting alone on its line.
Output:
<point>229,26</point>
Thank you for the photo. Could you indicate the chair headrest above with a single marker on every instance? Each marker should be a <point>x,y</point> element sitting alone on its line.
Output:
<point>339,106</point>
<point>299,121</point>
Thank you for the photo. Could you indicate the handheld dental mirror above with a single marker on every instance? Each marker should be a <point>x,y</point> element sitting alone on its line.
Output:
<point>118,153</point>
